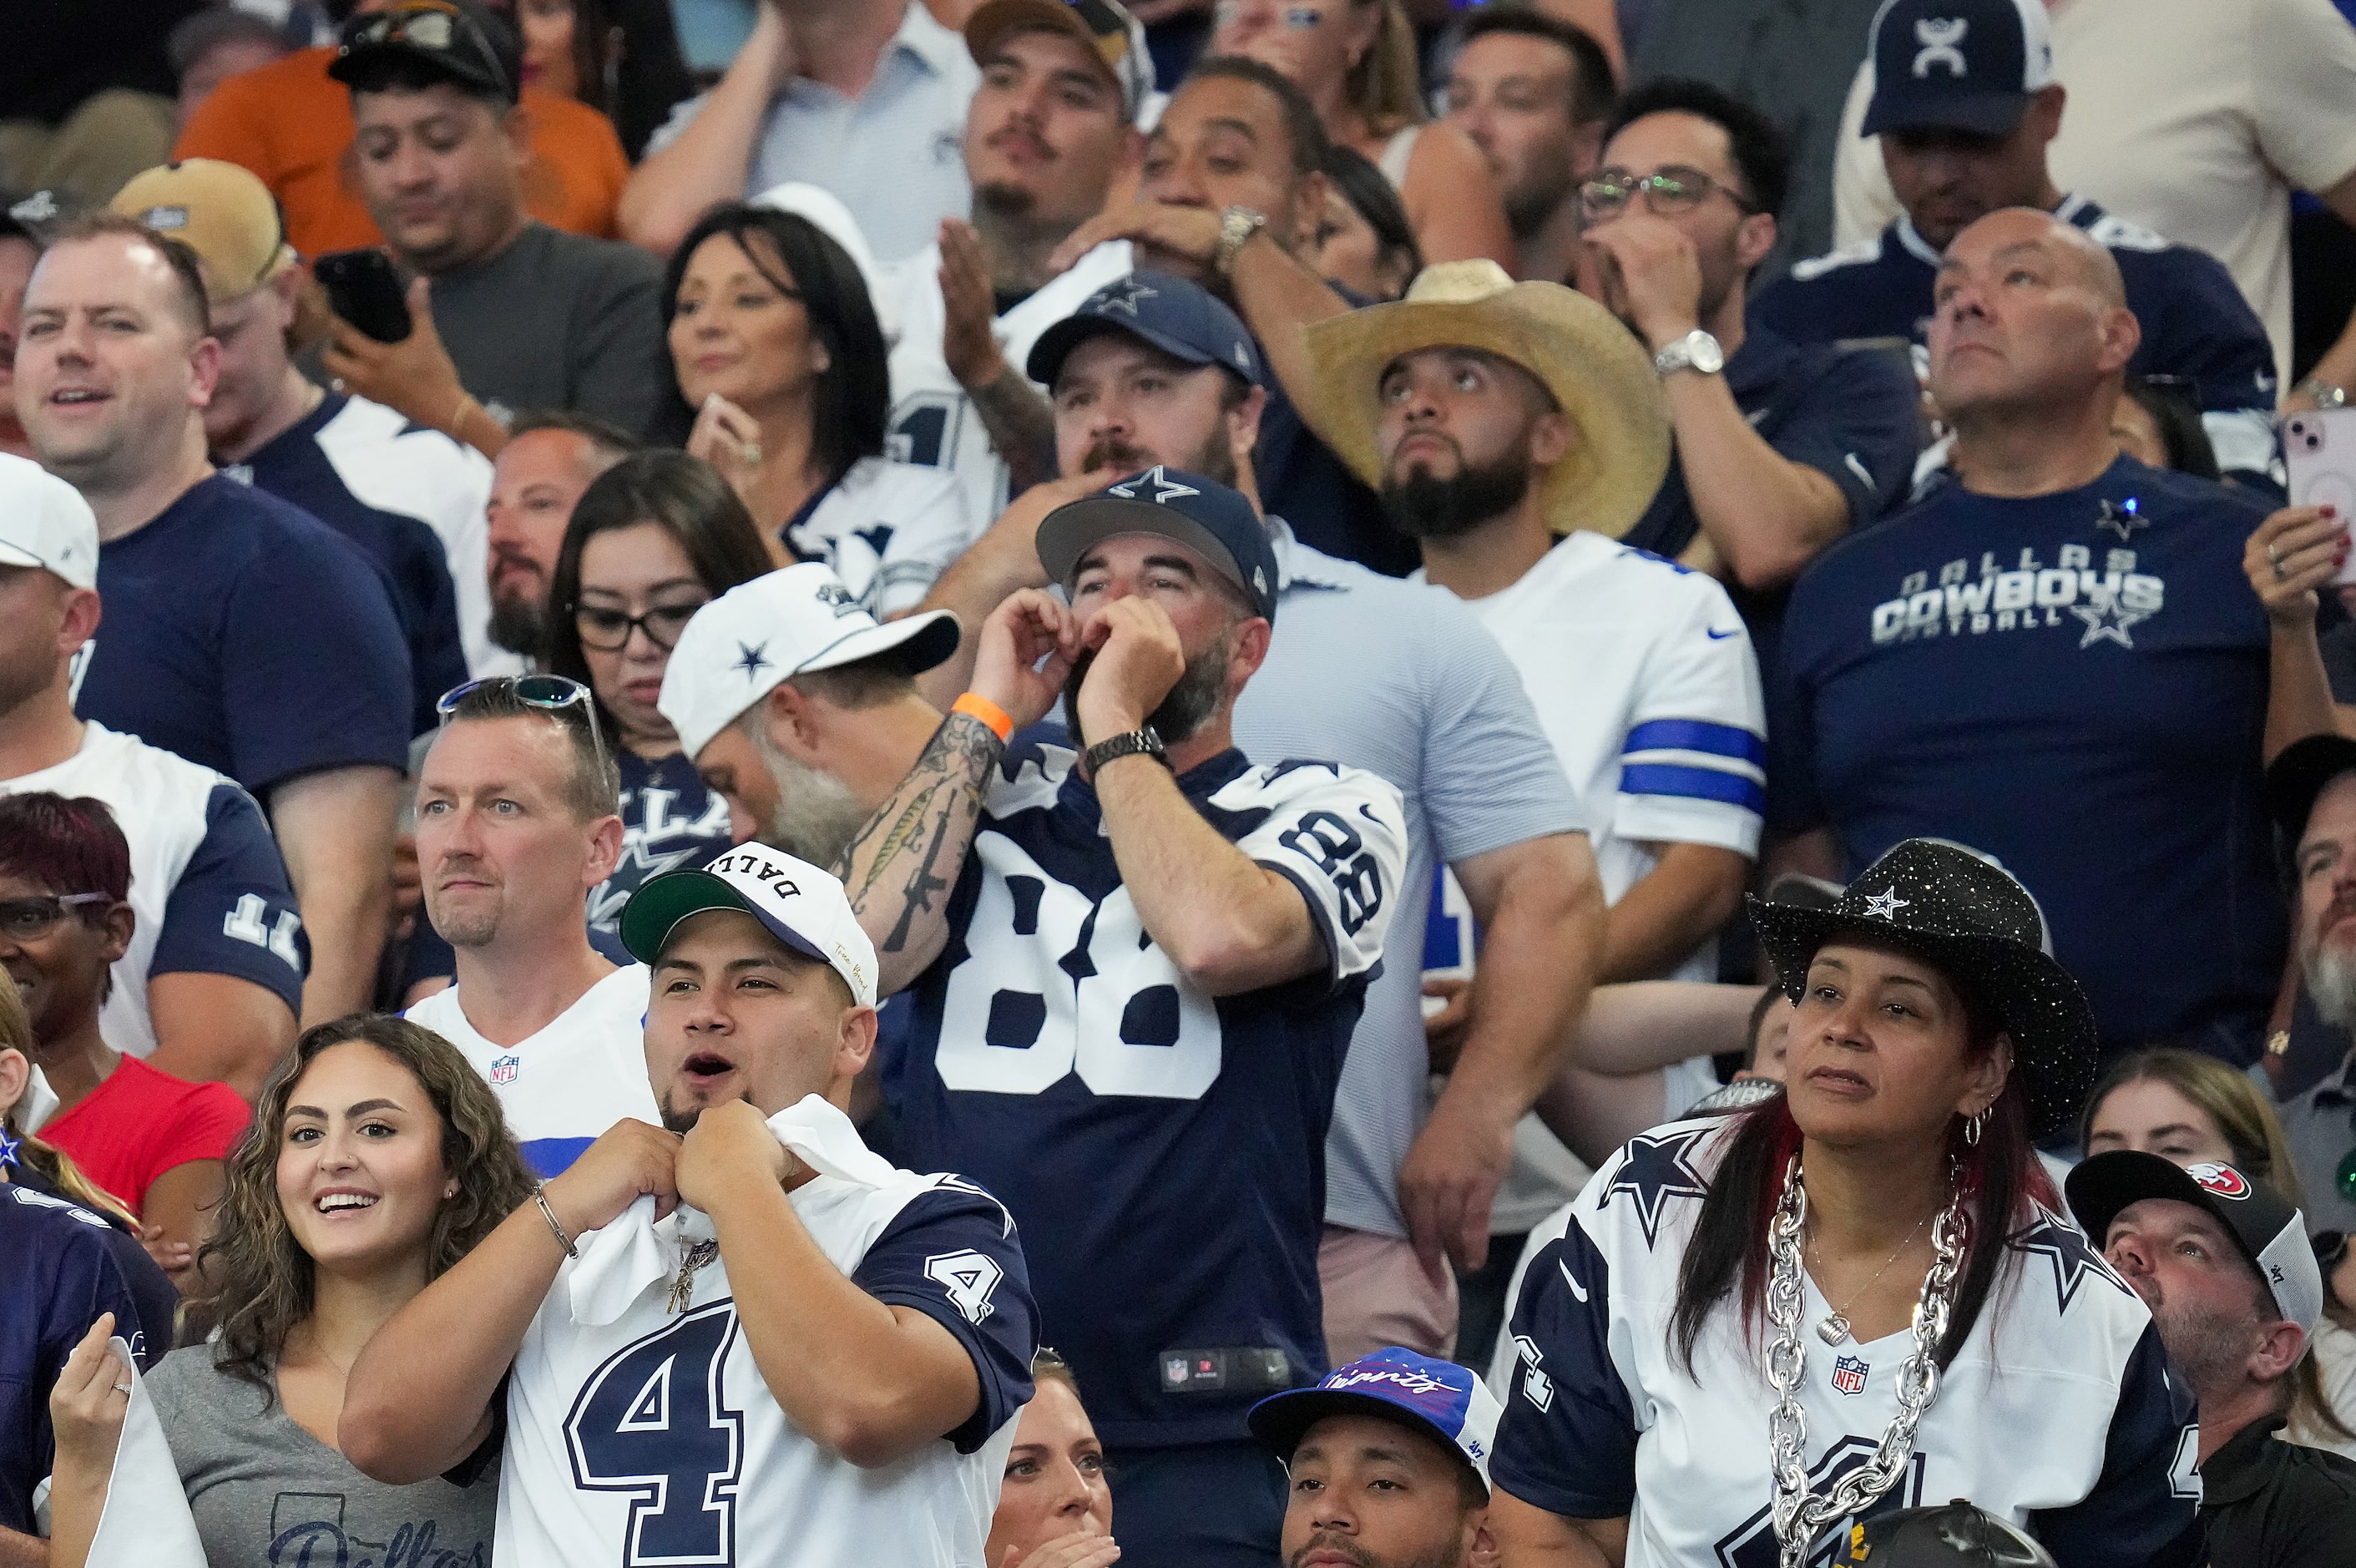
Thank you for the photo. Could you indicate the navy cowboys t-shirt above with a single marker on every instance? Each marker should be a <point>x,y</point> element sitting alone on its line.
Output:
<point>668,820</point>
<point>243,634</point>
<point>2075,683</point>
<point>295,468</point>
<point>1162,1151</point>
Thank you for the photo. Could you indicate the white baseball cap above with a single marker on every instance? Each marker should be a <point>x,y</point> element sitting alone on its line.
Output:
<point>789,623</point>
<point>803,906</point>
<point>44,522</point>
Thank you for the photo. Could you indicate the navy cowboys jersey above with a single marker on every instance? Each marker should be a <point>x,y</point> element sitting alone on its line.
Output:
<point>2058,1413</point>
<point>2076,684</point>
<point>2195,322</point>
<point>1163,1150</point>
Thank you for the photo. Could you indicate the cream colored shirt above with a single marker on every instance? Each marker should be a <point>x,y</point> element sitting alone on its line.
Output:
<point>2196,118</point>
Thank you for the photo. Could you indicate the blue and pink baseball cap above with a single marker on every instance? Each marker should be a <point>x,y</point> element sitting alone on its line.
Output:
<point>1420,1392</point>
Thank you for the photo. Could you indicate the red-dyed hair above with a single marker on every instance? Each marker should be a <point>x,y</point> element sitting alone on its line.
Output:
<point>67,847</point>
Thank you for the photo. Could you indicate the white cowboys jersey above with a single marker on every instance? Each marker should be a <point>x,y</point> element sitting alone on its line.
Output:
<point>2058,1413</point>
<point>887,530</point>
<point>638,1436</point>
<point>933,420</point>
<point>585,1070</point>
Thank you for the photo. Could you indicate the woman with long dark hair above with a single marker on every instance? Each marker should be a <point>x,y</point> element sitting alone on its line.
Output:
<point>377,1158</point>
<point>651,541</point>
<point>1751,1329</point>
<point>777,351</point>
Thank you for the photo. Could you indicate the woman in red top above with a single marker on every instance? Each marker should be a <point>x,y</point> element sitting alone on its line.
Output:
<point>156,1142</point>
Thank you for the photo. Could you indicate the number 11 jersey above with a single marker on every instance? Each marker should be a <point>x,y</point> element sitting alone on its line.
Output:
<point>1163,1150</point>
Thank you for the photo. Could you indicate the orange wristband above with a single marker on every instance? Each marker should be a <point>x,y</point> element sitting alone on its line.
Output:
<point>988,712</point>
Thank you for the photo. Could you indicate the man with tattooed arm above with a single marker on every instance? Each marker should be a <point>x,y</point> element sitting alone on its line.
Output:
<point>1135,963</point>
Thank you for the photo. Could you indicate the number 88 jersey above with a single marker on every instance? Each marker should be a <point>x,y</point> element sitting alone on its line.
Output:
<point>1163,1149</point>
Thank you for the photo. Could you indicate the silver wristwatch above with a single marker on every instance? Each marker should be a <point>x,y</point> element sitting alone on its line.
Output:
<point>2326,394</point>
<point>1237,226</point>
<point>1696,350</point>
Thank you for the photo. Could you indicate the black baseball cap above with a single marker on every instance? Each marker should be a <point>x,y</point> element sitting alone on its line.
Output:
<point>2297,778</point>
<point>1178,317</point>
<point>462,40</point>
<point>2267,1228</point>
<point>1957,65</point>
<point>1216,522</point>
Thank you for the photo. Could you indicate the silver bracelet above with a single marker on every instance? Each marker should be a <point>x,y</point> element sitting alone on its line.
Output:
<point>541,1197</point>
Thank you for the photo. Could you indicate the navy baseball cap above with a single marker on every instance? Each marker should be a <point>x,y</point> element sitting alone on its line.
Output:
<point>1216,522</point>
<point>1418,1391</point>
<point>462,40</point>
<point>1176,317</point>
<point>1957,65</point>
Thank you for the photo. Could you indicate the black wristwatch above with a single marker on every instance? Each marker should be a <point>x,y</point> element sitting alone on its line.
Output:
<point>1143,740</point>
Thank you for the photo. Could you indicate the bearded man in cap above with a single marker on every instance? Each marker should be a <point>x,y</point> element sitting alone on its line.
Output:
<point>1136,962</point>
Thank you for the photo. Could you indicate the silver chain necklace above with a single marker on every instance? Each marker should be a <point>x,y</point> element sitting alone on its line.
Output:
<point>1835,1327</point>
<point>1799,1515</point>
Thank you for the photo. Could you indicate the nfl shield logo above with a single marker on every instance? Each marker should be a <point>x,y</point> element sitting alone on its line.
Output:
<point>504,1069</point>
<point>1849,1375</point>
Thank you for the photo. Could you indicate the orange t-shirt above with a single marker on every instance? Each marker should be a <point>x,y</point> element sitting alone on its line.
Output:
<point>291,124</point>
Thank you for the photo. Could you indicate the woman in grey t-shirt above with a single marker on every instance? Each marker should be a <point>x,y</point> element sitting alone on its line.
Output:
<point>377,1158</point>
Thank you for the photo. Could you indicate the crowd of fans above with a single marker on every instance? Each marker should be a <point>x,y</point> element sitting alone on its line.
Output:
<point>1023,784</point>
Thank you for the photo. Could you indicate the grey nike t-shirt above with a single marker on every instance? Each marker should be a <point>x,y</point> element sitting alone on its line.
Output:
<point>263,1490</point>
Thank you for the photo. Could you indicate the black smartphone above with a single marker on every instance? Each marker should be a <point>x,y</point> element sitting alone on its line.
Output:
<point>364,290</point>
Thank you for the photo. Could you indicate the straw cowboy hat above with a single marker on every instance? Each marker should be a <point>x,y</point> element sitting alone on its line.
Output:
<point>1600,377</point>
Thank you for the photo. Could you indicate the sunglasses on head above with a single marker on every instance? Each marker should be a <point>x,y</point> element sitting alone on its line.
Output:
<point>550,693</point>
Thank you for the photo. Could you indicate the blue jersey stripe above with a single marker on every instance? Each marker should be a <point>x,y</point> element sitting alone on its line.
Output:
<point>1693,783</point>
<point>1697,734</point>
<point>551,1156</point>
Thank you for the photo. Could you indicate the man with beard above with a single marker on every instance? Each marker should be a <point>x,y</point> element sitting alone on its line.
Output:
<point>1533,91</point>
<point>1780,448</point>
<point>1136,963</point>
<point>2234,1291</point>
<point>1403,683</point>
<point>775,1347</point>
<point>551,458</point>
<point>2311,788</point>
<point>1051,129</point>
<point>1514,429</point>
<point>515,821</point>
<point>796,706</point>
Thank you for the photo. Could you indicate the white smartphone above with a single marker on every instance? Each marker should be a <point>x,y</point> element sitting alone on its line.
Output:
<point>2319,462</point>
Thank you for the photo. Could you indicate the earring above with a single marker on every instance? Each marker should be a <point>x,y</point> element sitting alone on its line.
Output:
<point>1973,1125</point>
<point>451,1191</point>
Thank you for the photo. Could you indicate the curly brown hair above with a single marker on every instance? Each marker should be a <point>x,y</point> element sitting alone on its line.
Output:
<point>265,1278</point>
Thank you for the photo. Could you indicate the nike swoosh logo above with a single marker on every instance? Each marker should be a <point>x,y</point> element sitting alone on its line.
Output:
<point>1717,635</point>
<point>1576,1288</point>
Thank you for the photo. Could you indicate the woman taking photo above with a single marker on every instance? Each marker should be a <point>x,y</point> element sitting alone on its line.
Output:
<point>1859,1290</point>
<point>777,353</point>
<point>1355,62</point>
<point>652,540</point>
<point>377,1159</point>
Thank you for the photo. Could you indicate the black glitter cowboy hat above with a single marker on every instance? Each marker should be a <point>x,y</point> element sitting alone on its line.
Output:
<point>1969,918</point>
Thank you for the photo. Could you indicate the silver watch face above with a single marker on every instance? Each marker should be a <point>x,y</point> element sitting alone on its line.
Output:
<point>1703,353</point>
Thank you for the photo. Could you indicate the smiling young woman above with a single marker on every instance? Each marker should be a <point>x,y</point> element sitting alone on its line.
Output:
<point>377,1158</point>
<point>1860,1290</point>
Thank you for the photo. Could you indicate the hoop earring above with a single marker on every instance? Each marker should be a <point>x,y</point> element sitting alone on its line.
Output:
<point>1973,1124</point>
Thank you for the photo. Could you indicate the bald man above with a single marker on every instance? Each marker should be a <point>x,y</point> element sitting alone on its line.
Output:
<point>2053,657</point>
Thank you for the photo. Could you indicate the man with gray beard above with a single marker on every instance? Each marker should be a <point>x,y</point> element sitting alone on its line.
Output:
<point>2312,790</point>
<point>799,709</point>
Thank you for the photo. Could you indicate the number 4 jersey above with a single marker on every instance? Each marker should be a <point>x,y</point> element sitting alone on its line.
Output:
<point>1163,1149</point>
<point>640,1431</point>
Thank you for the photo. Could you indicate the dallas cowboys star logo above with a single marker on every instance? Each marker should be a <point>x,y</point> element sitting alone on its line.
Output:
<point>1654,1170</point>
<point>1124,295</point>
<point>1885,905</point>
<point>2107,621</point>
<point>1161,491</point>
<point>749,660</point>
<point>2074,1259</point>
<point>8,1149</point>
<point>2122,518</point>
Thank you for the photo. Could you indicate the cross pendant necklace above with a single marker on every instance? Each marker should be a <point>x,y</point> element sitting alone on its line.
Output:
<point>691,1258</point>
<point>1834,1329</point>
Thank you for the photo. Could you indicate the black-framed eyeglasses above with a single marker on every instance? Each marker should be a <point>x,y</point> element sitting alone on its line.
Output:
<point>1667,191</point>
<point>607,629</point>
<point>30,918</point>
<point>550,693</point>
<point>430,26</point>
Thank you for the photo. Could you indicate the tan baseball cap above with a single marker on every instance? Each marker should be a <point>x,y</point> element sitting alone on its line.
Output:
<point>218,209</point>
